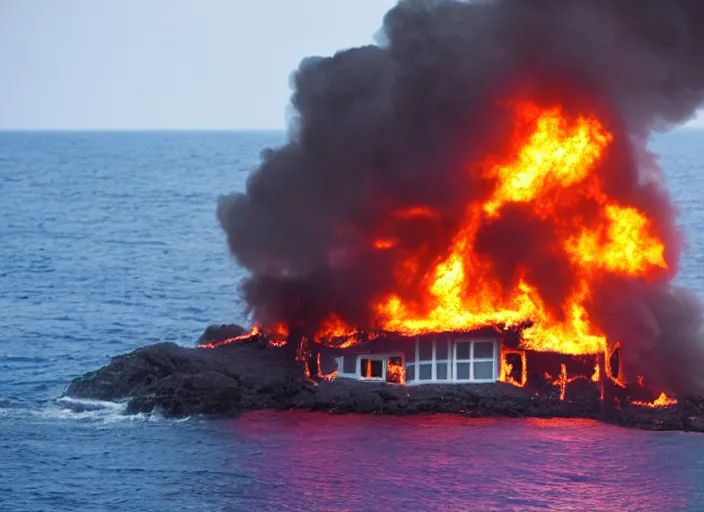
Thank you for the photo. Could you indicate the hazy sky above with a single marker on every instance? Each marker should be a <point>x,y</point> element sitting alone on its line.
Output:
<point>173,64</point>
<point>165,63</point>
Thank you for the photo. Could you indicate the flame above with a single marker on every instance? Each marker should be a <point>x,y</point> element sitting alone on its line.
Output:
<point>562,380</point>
<point>302,355</point>
<point>367,370</point>
<point>415,212</point>
<point>662,401</point>
<point>596,376</point>
<point>395,372</point>
<point>326,376</point>
<point>550,172</point>
<point>554,157</point>
<point>277,334</point>
<point>507,368</point>
<point>384,243</point>
<point>609,371</point>
<point>334,327</point>
<point>256,330</point>
<point>628,250</point>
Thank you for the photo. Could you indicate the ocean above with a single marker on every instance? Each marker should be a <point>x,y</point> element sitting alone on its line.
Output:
<point>109,242</point>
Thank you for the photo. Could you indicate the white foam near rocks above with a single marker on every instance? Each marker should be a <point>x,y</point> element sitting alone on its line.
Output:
<point>79,409</point>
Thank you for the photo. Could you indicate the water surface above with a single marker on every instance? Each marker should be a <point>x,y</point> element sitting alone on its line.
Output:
<point>108,242</point>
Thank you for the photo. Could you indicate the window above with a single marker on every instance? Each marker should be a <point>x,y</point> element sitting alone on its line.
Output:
<point>425,371</point>
<point>483,363</point>
<point>442,359</point>
<point>349,365</point>
<point>425,350</point>
<point>395,371</point>
<point>410,372</point>
<point>441,371</point>
<point>371,368</point>
<point>431,362</point>
<point>475,360</point>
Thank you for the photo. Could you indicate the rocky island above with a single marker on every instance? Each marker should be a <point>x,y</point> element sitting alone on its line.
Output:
<point>250,375</point>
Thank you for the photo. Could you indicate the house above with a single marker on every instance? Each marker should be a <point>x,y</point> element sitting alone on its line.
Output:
<point>449,357</point>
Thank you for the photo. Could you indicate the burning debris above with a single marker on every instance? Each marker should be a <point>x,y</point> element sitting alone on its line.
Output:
<point>474,170</point>
<point>662,401</point>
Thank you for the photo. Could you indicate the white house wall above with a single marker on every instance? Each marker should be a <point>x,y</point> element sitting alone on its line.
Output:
<point>441,345</point>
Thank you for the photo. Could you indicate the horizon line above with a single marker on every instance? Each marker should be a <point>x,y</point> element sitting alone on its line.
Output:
<point>684,127</point>
<point>139,130</point>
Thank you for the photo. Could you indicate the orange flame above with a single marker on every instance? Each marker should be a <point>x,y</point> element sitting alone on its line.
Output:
<point>278,336</point>
<point>384,243</point>
<point>415,212</point>
<point>596,376</point>
<point>507,368</point>
<point>334,327</point>
<point>550,170</point>
<point>463,292</point>
<point>395,372</point>
<point>609,371</point>
<point>554,157</point>
<point>215,344</point>
<point>662,401</point>
<point>367,370</point>
<point>326,376</point>
<point>562,381</point>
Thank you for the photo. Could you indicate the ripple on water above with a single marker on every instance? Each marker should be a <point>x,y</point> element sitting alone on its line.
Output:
<point>110,242</point>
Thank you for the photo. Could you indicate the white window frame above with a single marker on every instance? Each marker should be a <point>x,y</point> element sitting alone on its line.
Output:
<point>448,359</point>
<point>433,361</point>
<point>341,367</point>
<point>472,359</point>
<point>415,364</point>
<point>384,358</point>
<point>430,362</point>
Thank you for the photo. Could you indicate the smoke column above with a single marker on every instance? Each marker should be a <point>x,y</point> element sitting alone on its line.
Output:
<point>395,124</point>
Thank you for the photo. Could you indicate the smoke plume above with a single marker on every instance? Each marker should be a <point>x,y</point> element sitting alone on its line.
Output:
<point>397,124</point>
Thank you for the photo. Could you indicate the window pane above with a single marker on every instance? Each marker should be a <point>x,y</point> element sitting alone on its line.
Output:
<point>483,350</point>
<point>425,371</point>
<point>372,368</point>
<point>410,372</point>
<point>463,350</point>
<point>441,371</point>
<point>349,364</point>
<point>484,370</point>
<point>426,350</point>
<point>410,350</point>
<point>441,349</point>
<point>462,371</point>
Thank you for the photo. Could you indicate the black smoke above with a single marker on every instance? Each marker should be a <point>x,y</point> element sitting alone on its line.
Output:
<point>400,123</point>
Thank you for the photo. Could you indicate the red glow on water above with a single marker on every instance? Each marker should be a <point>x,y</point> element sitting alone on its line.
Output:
<point>552,464</point>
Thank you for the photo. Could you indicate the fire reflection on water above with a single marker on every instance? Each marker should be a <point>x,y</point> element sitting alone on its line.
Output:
<point>327,462</point>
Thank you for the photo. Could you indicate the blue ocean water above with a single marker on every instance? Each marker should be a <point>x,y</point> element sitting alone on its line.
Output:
<point>108,242</point>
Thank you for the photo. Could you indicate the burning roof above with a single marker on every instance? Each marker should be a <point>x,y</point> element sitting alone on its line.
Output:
<point>485,164</point>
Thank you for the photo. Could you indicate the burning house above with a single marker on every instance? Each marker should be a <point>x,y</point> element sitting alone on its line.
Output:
<point>473,200</point>
<point>426,359</point>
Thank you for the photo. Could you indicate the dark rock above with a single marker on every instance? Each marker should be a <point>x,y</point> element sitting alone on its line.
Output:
<point>221,332</point>
<point>248,375</point>
<point>180,381</point>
